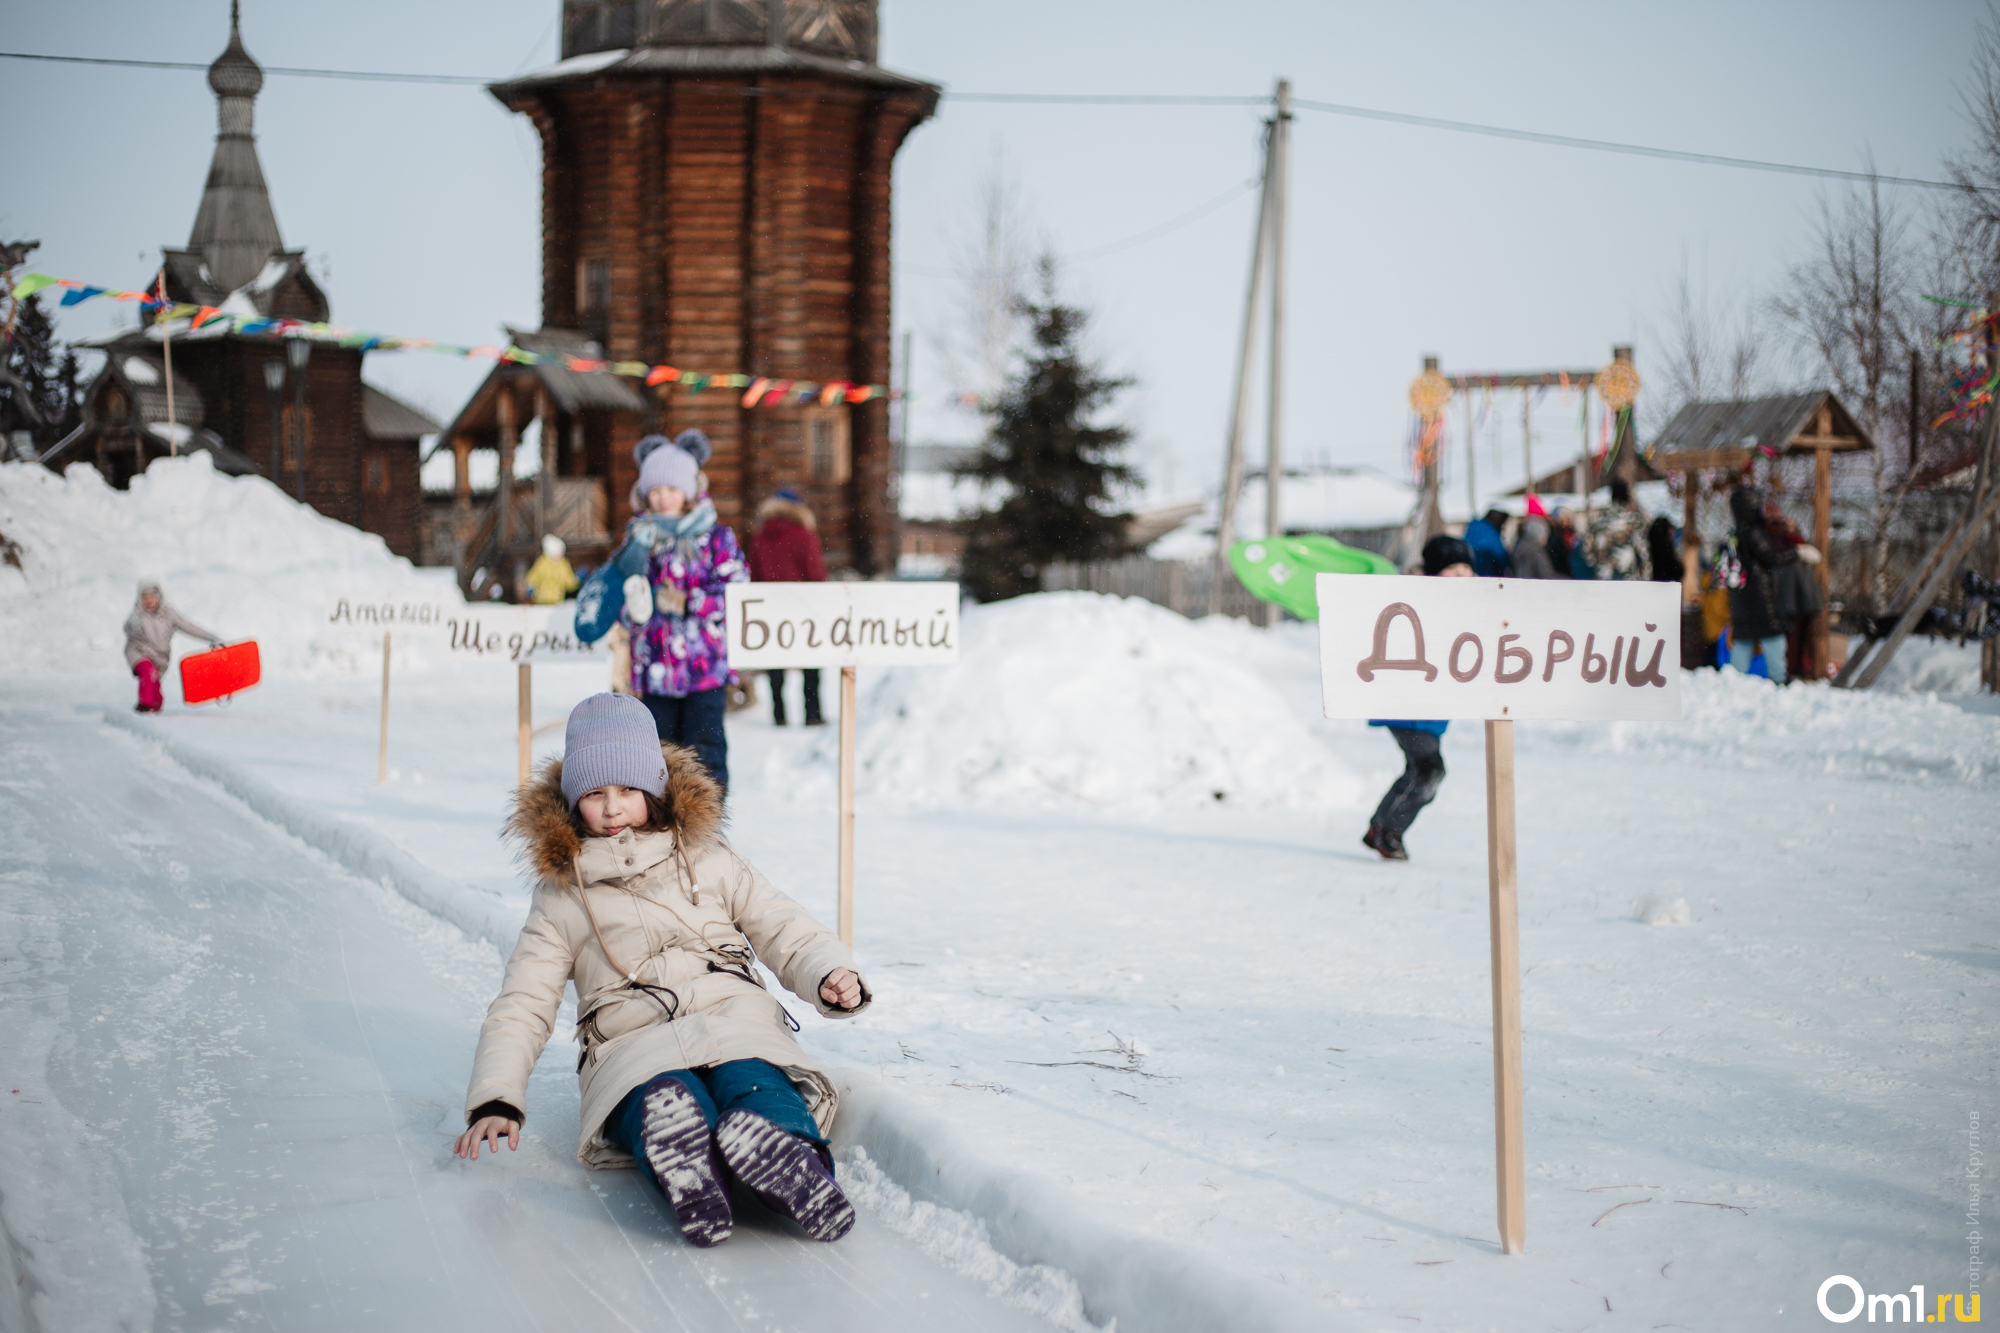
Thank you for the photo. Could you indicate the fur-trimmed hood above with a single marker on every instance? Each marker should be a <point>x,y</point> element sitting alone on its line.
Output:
<point>779,507</point>
<point>549,839</point>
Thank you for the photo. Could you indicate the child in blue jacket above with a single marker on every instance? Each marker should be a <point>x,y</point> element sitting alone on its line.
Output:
<point>1423,764</point>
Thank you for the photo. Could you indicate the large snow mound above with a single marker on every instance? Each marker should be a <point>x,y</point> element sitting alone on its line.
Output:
<point>233,554</point>
<point>1739,721</point>
<point>1089,702</point>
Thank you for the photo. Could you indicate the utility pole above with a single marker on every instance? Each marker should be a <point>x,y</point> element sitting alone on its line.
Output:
<point>1916,405</point>
<point>1471,482</point>
<point>902,453</point>
<point>1274,467</point>
<point>1239,414</point>
<point>1527,437</point>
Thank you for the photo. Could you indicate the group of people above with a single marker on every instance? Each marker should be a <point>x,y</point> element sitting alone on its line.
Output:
<point>1763,594</point>
<point>1769,595</point>
<point>1614,542</point>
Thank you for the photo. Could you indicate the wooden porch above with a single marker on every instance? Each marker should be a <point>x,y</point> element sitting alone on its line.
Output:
<point>494,537</point>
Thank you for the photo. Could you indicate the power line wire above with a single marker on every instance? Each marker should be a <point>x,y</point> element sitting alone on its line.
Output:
<point>1155,99</point>
<point>1456,126</point>
<point>268,69</point>
<point>1608,146</point>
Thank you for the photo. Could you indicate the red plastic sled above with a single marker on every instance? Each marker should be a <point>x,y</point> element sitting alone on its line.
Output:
<point>220,672</point>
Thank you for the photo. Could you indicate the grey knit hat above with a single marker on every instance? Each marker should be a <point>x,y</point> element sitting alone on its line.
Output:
<point>670,466</point>
<point>611,740</point>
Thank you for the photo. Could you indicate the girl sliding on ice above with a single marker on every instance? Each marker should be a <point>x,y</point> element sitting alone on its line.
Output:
<point>689,1067</point>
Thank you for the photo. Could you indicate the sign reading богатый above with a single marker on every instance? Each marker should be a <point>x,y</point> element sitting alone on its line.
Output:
<point>779,625</point>
<point>1412,647</point>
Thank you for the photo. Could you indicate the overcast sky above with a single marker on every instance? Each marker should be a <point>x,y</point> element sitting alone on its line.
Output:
<point>419,203</point>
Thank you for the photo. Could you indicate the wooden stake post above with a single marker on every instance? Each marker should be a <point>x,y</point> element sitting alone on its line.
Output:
<point>778,626</point>
<point>847,806</point>
<point>1506,933</point>
<point>1499,650</point>
<point>525,674</point>
<point>382,749</point>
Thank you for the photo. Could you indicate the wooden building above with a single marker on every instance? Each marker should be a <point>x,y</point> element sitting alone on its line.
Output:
<point>715,196</point>
<point>359,444</point>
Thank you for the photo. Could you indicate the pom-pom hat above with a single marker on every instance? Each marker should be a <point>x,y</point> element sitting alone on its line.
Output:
<point>672,466</point>
<point>612,741</point>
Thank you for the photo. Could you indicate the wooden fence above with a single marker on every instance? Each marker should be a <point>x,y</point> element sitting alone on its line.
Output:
<point>1178,585</point>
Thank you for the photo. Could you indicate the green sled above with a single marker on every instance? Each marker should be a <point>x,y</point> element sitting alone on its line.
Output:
<point>1281,572</point>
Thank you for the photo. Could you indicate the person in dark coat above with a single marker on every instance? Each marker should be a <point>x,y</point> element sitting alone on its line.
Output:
<point>784,548</point>
<point>1664,554</point>
<point>1560,542</point>
<point>1420,742</point>
<point>1754,626</point>
<point>1489,549</point>
<point>1795,595</point>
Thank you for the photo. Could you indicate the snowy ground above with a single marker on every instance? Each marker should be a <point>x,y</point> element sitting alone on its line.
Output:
<point>1286,1039</point>
<point>1220,1026</point>
<point>232,1077</point>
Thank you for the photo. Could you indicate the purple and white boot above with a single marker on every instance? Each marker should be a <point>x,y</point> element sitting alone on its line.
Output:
<point>674,1135</point>
<point>785,1172</point>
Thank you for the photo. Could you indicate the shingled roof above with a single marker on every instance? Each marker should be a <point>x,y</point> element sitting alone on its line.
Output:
<point>1741,426</point>
<point>389,418</point>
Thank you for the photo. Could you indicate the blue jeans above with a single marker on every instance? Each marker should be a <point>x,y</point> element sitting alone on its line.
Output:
<point>737,1085</point>
<point>696,722</point>
<point>1773,648</point>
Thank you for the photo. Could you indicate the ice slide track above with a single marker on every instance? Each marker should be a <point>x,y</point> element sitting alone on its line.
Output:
<point>1145,1285</point>
<point>242,1065</point>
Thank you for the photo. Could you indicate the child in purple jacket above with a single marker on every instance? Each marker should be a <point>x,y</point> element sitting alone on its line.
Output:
<point>675,611</point>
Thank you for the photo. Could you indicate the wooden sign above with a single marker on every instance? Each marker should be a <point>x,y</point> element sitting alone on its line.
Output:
<point>1498,650</point>
<point>1413,647</point>
<point>775,626</point>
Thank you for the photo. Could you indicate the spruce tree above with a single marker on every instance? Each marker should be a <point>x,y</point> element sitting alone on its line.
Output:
<point>39,392</point>
<point>1055,468</point>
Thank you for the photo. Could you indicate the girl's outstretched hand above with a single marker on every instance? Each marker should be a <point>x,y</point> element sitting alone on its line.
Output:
<point>841,989</point>
<point>490,1129</point>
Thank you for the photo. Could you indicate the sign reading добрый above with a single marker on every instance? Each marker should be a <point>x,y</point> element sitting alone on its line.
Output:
<point>778,625</point>
<point>1437,648</point>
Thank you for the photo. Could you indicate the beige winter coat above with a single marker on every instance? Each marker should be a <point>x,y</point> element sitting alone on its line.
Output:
<point>684,913</point>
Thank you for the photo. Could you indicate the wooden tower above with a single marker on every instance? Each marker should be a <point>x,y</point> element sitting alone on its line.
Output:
<point>715,196</point>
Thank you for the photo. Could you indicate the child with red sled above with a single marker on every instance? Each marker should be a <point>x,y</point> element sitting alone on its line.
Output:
<point>149,639</point>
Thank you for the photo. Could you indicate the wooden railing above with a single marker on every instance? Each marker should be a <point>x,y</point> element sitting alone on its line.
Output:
<point>1178,585</point>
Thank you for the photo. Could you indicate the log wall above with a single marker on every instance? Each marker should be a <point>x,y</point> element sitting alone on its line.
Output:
<point>746,225</point>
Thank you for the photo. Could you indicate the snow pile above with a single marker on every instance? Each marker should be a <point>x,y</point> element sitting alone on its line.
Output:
<point>1739,721</point>
<point>1083,701</point>
<point>1932,666</point>
<point>960,1242</point>
<point>234,555</point>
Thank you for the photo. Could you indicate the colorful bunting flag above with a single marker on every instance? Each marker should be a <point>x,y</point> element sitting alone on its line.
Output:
<point>760,389</point>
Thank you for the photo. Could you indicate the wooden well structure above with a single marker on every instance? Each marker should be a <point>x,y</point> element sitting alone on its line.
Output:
<point>716,197</point>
